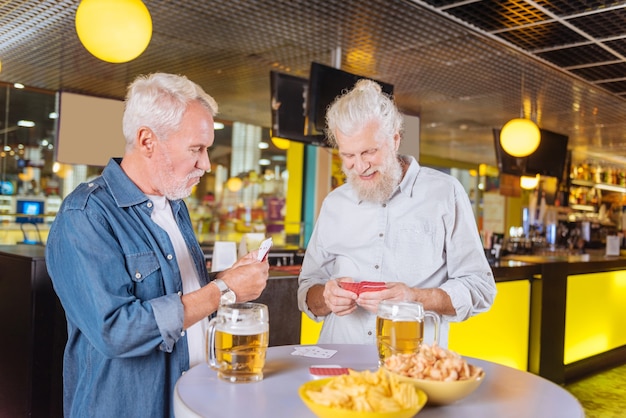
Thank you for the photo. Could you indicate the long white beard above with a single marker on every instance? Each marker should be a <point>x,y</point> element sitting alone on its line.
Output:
<point>379,190</point>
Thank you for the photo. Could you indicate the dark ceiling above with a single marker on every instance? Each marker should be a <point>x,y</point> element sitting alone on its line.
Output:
<point>465,67</point>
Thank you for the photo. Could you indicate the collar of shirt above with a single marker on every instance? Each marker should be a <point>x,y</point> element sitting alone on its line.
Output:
<point>124,191</point>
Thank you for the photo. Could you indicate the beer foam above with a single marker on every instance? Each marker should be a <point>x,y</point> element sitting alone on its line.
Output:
<point>243,329</point>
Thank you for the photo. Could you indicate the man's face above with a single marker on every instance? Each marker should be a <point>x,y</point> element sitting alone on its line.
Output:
<point>370,163</point>
<point>182,159</point>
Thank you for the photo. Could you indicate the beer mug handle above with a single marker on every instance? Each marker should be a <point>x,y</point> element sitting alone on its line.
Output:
<point>210,344</point>
<point>437,321</point>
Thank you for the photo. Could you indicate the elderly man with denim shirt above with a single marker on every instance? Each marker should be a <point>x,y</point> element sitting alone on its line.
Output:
<point>127,267</point>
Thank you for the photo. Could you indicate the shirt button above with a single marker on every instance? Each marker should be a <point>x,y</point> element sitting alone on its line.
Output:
<point>381,235</point>
<point>384,205</point>
<point>137,275</point>
<point>149,204</point>
<point>170,256</point>
<point>376,267</point>
<point>180,293</point>
<point>182,334</point>
<point>369,332</point>
<point>90,184</point>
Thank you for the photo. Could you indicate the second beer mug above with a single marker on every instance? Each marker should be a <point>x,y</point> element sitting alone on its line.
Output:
<point>237,340</point>
<point>400,327</point>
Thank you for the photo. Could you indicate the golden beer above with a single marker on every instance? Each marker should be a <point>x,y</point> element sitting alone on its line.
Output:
<point>400,327</point>
<point>240,358</point>
<point>237,340</point>
<point>397,336</point>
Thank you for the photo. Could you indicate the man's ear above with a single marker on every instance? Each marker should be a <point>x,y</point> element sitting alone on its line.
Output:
<point>396,141</point>
<point>146,140</point>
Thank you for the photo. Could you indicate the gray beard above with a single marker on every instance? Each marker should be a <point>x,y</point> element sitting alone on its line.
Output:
<point>389,176</point>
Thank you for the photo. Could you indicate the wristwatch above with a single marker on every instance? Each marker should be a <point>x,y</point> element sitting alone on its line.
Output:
<point>227,294</point>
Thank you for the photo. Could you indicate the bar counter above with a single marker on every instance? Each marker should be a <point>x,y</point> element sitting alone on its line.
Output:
<point>557,316</point>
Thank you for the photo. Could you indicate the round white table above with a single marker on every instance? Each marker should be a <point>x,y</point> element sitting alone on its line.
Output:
<point>506,392</point>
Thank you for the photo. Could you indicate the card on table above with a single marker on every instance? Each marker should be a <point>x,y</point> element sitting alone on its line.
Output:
<point>312,351</point>
<point>327,370</point>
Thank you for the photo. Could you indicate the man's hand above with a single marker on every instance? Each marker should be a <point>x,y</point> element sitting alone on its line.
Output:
<point>394,291</point>
<point>247,277</point>
<point>340,301</point>
<point>433,299</point>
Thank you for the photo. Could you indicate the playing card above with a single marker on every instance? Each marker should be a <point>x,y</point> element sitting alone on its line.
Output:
<point>264,248</point>
<point>371,287</point>
<point>351,286</point>
<point>327,370</point>
<point>313,351</point>
<point>361,287</point>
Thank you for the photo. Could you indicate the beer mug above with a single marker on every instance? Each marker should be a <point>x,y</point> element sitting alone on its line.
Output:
<point>400,327</point>
<point>237,340</point>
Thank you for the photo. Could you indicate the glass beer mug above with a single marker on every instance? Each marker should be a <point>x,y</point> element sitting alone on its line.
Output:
<point>400,327</point>
<point>237,340</point>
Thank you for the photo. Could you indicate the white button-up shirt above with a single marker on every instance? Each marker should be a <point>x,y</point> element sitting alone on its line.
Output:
<point>425,236</point>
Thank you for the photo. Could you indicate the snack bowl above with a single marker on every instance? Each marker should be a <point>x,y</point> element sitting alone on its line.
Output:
<point>444,392</point>
<point>323,411</point>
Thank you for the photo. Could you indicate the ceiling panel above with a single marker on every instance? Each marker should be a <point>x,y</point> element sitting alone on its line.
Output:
<point>465,67</point>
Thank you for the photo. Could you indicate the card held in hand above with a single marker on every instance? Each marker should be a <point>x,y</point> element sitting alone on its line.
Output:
<point>264,249</point>
<point>362,287</point>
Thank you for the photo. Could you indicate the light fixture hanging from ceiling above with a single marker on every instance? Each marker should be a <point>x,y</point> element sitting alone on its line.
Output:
<point>529,183</point>
<point>280,143</point>
<point>520,137</point>
<point>114,31</point>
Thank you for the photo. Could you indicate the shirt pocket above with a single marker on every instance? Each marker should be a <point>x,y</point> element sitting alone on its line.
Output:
<point>145,272</point>
<point>418,247</point>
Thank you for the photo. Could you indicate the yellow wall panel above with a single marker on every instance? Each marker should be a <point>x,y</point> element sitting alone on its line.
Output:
<point>501,334</point>
<point>595,314</point>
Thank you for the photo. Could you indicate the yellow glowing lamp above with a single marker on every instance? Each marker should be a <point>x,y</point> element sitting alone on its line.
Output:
<point>280,143</point>
<point>234,184</point>
<point>520,137</point>
<point>114,30</point>
<point>529,183</point>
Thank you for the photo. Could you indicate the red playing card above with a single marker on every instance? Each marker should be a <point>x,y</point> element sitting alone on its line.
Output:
<point>360,287</point>
<point>327,371</point>
<point>372,286</point>
<point>351,286</point>
<point>381,285</point>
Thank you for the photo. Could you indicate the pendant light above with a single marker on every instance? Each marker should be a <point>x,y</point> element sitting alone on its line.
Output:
<point>529,183</point>
<point>280,143</point>
<point>114,31</point>
<point>520,137</point>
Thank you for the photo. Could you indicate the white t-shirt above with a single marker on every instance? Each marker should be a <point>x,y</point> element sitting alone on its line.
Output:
<point>162,216</point>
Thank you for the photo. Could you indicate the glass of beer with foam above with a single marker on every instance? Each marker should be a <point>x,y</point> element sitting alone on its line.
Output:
<point>237,340</point>
<point>400,327</point>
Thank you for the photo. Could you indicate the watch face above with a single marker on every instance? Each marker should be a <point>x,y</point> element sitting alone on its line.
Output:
<point>228,297</point>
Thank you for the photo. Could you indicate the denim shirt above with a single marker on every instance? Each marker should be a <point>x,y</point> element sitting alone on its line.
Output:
<point>117,277</point>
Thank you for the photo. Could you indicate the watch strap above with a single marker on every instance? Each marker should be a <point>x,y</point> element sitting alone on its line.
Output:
<point>221,285</point>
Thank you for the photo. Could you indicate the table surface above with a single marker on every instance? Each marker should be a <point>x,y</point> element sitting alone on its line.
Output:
<point>504,392</point>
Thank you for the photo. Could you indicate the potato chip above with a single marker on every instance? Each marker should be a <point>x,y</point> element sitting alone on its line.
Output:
<point>366,391</point>
<point>432,363</point>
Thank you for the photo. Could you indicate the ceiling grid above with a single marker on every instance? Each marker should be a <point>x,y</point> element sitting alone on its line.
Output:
<point>457,64</point>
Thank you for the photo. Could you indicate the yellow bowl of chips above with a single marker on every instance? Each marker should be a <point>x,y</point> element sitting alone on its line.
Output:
<point>444,375</point>
<point>362,395</point>
<point>444,392</point>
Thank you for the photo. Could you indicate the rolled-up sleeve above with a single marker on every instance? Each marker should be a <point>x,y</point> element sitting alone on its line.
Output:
<point>470,285</point>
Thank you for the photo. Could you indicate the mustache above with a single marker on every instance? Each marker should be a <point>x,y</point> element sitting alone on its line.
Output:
<point>195,173</point>
<point>351,171</point>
